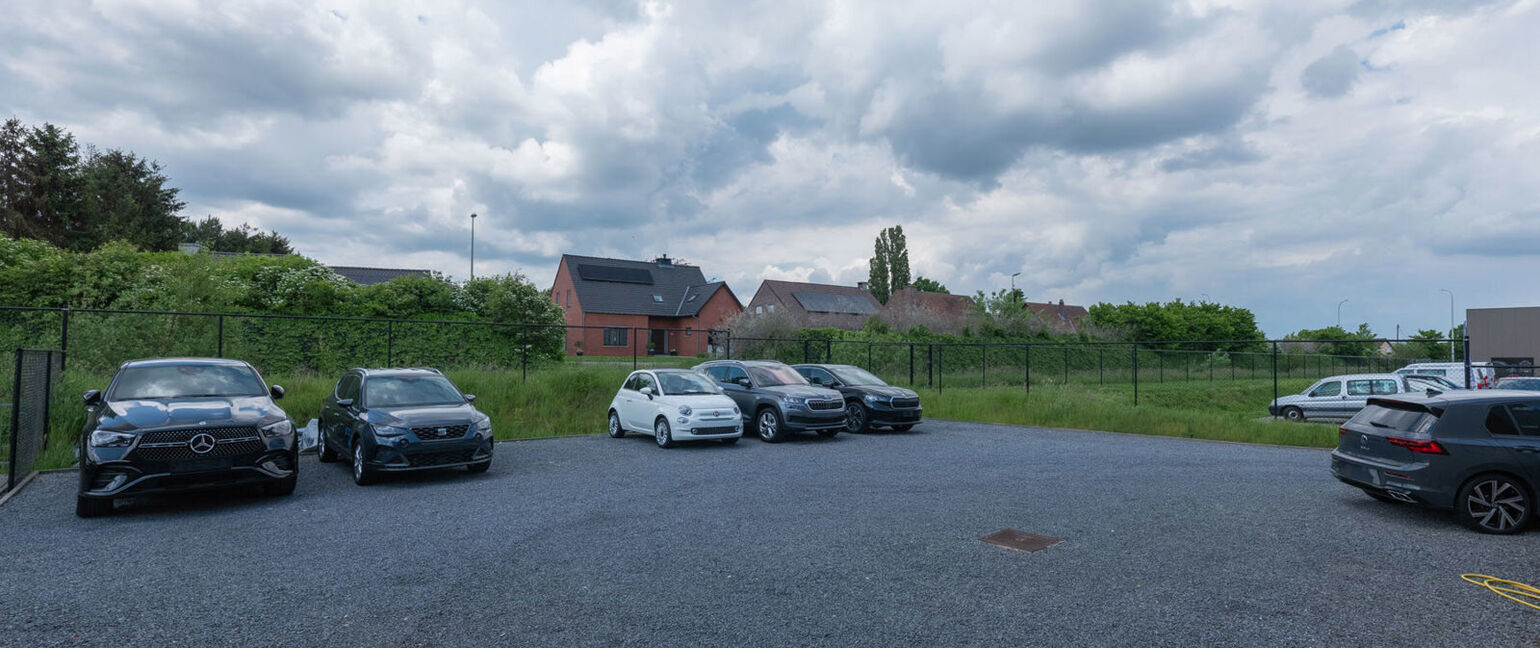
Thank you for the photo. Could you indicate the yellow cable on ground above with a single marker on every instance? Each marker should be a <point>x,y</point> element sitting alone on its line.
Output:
<point>1511,590</point>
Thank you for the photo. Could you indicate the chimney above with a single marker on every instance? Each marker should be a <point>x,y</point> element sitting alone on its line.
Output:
<point>664,261</point>
<point>861,285</point>
<point>1061,303</point>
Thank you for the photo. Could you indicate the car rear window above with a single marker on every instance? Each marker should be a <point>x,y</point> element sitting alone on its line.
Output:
<point>1394,418</point>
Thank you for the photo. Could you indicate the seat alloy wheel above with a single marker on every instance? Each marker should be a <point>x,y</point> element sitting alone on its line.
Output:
<point>1495,504</point>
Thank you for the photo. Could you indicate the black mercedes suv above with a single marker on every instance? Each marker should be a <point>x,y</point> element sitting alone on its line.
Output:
<point>177,424</point>
<point>776,400</point>
<point>392,420</point>
<point>868,400</point>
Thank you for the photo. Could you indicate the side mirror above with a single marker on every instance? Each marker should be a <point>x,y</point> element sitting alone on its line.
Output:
<point>470,398</point>
<point>344,402</point>
<point>816,380</point>
<point>92,397</point>
<point>742,381</point>
<point>647,391</point>
<point>276,391</point>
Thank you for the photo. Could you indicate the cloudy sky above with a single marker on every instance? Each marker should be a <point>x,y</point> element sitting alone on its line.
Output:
<point>1278,155</point>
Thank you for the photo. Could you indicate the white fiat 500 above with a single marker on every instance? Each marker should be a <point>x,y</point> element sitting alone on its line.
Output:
<point>674,405</point>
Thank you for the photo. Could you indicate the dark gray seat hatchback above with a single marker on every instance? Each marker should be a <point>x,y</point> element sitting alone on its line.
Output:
<point>395,420</point>
<point>1476,453</point>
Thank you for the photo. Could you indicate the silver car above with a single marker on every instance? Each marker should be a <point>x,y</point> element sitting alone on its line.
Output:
<point>1340,397</point>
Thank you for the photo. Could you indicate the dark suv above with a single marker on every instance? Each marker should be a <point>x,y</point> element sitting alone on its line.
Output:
<point>178,424</point>
<point>391,420</point>
<point>776,400</point>
<point>868,400</point>
<point>1476,452</point>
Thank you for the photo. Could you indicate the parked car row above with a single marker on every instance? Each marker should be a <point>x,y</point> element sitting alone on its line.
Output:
<point>721,400</point>
<point>181,424</point>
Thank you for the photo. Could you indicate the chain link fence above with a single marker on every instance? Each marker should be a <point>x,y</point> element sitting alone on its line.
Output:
<point>31,382</point>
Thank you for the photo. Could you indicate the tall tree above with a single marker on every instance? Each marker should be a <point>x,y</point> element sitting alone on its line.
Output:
<point>13,187</point>
<point>214,236</point>
<point>898,259</point>
<point>51,206</point>
<point>877,273</point>
<point>129,199</point>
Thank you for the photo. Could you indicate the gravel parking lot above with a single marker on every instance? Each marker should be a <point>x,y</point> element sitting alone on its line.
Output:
<point>863,540</point>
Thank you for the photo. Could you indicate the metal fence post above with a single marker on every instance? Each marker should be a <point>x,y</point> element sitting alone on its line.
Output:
<point>828,351</point>
<point>1101,366</point>
<point>940,370</point>
<point>1465,352</point>
<point>807,350</point>
<point>1275,373</point>
<point>221,334</point>
<point>633,348</point>
<point>869,356</point>
<point>64,335</point>
<point>729,345</point>
<point>390,343</point>
<point>10,472</point>
<point>1136,374</point>
<point>1065,349</point>
<point>1028,370</point>
<point>984,365</point>
<point>1187,357</point>
<point>930,365</point>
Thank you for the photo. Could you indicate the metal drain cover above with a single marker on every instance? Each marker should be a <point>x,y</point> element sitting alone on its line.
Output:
<point>1021,540</point>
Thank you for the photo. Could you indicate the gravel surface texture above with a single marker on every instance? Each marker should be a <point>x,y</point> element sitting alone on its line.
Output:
<point>863,540</point>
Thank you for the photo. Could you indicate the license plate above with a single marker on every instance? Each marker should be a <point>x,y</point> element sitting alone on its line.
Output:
<point>200,465</point>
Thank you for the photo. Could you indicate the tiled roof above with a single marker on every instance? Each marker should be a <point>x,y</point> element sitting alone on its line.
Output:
<point>1058,316</point>
<point>943,303</point>
<point>650,288</point>
<point>371,276</point>
<point>822,298</point>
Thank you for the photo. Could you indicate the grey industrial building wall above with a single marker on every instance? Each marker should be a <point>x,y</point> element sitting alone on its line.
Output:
<point>1508,334</point>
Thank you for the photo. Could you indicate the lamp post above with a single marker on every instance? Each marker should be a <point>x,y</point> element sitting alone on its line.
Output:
<point>1339,312</point>
<point>473,246</point>
<point>1013,282</point>
<point>1451,321</point>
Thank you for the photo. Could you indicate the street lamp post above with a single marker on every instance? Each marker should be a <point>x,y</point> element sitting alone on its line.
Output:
<point>1013,282</point>
<point>1451,321</point>
<point>473,246</point>
<point>1339,312</point>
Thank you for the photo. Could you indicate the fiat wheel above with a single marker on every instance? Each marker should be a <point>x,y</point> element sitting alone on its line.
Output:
<point>616,431</point>
<point>662,433</point>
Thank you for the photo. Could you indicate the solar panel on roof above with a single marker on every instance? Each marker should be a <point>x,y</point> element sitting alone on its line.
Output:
<point>611,273</point>
<point>814,302</point>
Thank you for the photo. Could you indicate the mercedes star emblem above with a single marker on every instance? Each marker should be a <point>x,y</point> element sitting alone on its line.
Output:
<point>201,443</point>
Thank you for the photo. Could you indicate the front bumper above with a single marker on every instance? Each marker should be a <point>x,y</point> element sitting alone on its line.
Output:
<point>430,455</point>
<point>709,429</point>
<point>128,475</point>
<point>884,414</point>
<point>813,421</point>
<point>1398,481</point>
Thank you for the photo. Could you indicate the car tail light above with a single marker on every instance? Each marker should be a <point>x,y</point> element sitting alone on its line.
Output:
<point>1426,447</point>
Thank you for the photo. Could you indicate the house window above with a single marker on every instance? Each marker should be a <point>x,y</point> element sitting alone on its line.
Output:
<point>569,297</point>
<point>689,332</point>
<point>658,298</point>
<point>759,310</point>
<point>615,337</point>
<point>771,307</point>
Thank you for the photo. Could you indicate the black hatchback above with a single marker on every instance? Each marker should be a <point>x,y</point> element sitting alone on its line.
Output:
<point>394,420</point>
<point>178,424</point>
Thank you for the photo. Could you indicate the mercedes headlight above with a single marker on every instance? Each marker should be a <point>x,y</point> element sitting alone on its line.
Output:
<point>685,410</point>
<point>278,429</point>
<point>110,439</point>
<point>388,431</point>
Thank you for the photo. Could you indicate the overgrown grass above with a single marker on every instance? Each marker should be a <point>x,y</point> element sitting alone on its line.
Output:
<point>572,400</point>
<point>1226,411</point>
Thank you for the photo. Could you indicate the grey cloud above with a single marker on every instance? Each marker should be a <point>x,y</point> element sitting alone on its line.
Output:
<point>1331,76</point>
<point>1229,151</point>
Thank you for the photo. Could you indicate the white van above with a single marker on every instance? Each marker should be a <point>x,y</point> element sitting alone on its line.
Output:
<point>1482,374</point>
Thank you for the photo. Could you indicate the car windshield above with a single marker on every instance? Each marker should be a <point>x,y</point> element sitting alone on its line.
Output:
<point>1525,383</point>
<point>855,375</point>
<point>401,391</point>
<point>686,384</point>
<point>185,381</point>
<point>771,376</point>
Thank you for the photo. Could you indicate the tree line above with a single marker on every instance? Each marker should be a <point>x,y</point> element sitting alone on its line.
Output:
<point>77,197</point>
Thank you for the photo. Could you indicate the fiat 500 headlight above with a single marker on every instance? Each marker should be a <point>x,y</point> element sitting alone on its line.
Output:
<point>685,410</point>
<point>278,429</point>
<point>110,439</point>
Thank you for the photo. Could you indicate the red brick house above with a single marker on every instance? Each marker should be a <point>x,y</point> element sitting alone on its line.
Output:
<point>670,306</point>
<point>937,312</point>
<point>1058,317</point>
<point>845,307</point>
